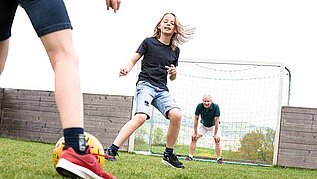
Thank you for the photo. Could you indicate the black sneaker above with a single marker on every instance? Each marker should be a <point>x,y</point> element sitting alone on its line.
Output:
<point>219,161</point>
<point>172,161</point>
<point>188,158</point>
<point>110,154</point>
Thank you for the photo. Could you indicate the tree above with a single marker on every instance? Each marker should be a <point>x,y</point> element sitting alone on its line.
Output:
<point>158,137</point>
<point>258,146</point>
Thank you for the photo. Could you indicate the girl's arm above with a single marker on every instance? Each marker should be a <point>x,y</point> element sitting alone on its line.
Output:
<point>125,70</point>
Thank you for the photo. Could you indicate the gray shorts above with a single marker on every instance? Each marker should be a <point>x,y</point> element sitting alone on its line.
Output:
<point>147,95</point>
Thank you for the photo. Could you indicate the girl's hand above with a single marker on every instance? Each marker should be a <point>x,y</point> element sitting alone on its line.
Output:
<point>171,69</point>
<point>123,71</point>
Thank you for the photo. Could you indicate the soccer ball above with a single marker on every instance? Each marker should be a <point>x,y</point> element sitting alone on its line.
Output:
<point>95,148</point>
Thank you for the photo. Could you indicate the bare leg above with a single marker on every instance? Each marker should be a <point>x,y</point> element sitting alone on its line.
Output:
<point>129,128</point>
<point>173,130</point>
<point>4,48</point>
<point>64,62</point>
<point>192,146</point>
<point>218,149</point>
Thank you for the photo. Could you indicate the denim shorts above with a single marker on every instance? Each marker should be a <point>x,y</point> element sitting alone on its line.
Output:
<point>46,16</point>
<point>147,94</point>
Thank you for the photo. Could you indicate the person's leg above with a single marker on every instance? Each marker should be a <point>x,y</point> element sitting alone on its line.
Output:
<point>53,28</point>
<point>124,134</point>
<point>168,107</point>
<point>143,98</point>
<point>64,61</point>
<point>7,13</point>
<point>218,147</point>
<point>69,102</point>
<point>129,128</point>
<point>175,118</point>
<point>169,158</point>
<point>192,146</point>
<point>4,48</point>
<point>201,130</point>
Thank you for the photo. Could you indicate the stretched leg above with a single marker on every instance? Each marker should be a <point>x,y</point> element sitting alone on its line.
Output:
<point>4,48</point>
<point>129,128</point>
<point>64,62</point>
<point>124,134</point>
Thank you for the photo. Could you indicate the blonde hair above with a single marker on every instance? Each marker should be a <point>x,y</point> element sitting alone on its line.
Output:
<point>181,35</point>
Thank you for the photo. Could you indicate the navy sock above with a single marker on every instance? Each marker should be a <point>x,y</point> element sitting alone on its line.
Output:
<point>168,151</point>
<point>74,137</point>
<point>114,147</point>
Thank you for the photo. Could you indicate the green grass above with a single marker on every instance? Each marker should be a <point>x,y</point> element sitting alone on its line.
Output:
<point>23,159</point>
<point>200,152</point>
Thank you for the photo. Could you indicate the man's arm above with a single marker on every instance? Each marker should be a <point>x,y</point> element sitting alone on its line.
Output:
<point>195,123</point>
<point>216,125</point>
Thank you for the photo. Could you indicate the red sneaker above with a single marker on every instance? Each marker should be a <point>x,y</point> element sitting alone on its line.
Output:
<point>74,165</point>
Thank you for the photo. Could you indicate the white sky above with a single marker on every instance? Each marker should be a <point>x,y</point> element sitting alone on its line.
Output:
<point>245,30</point>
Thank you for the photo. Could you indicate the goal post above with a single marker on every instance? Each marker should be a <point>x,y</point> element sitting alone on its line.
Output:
<point>250,96</point>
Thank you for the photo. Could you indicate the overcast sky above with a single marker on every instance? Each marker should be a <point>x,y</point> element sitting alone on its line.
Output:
<point>281,31</point>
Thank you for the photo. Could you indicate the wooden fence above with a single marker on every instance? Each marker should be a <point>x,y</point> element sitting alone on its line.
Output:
<point>32,115</point>
<point>298,138</point>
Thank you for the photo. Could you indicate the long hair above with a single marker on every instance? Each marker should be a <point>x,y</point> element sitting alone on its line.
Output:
<point>181,35</point>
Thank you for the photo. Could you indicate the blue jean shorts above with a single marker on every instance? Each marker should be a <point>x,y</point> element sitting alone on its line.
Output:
<point>46,16</point>
<point>147,94</point>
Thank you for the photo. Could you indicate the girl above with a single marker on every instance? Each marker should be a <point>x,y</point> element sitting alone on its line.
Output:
<point>160,58</point>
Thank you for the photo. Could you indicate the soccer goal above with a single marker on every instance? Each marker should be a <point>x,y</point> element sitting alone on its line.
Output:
<point>250,96</point>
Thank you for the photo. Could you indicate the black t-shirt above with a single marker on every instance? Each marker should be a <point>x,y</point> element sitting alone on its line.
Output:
<point>156,56</point>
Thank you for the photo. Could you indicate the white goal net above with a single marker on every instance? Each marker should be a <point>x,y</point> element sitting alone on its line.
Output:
<point>249,94</point>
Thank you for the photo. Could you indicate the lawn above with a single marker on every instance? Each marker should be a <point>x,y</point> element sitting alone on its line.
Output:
<point>23,159</point>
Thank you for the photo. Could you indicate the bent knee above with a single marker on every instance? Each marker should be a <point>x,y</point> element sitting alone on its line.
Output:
<point>175,114</point>
<point>140,118</point>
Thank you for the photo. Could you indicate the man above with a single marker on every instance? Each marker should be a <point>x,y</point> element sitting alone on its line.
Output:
<point>52,25</point>
<point>209,113</point>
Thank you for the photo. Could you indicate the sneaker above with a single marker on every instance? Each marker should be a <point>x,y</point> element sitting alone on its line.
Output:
<point>110,154</point>
<point>172,161</point>
<point>219,161</point>
<point>74,165</point>
<point>188,158</point>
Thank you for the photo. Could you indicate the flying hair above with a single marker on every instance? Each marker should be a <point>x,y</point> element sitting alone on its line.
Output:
<point>182,33</point>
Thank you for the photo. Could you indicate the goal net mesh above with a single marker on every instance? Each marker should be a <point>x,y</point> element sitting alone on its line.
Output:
<point>249,96</point>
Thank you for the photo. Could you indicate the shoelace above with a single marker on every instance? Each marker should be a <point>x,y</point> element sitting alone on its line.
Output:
<point>175,159</point>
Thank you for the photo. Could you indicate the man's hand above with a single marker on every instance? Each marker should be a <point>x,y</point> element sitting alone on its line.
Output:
<point>194,136</point>
<point>113,4</point>
<point>217,138</point>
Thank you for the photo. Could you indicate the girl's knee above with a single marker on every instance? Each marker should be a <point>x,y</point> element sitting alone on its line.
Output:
<point>140,118</point>
<point>175,114</point>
